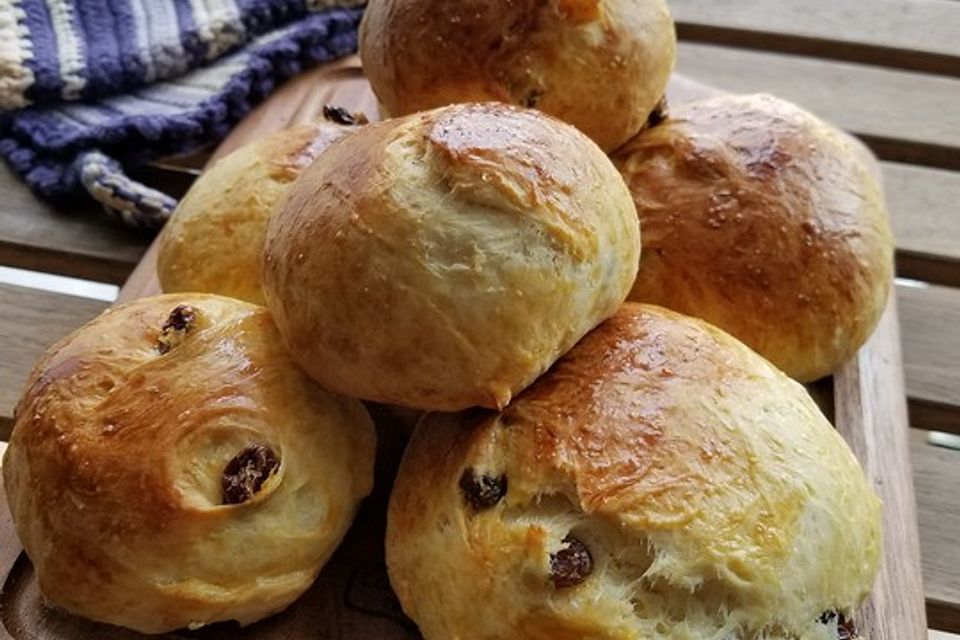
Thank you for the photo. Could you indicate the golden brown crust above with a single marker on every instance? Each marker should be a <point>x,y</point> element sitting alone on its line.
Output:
<point>708,488</point>
<point>214,241</point>
<point>446,259</point>
<point>115,467</point>
<point>600,65</point>
<point>766,222</point>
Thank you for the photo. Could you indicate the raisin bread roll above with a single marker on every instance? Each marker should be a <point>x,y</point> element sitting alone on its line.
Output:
<point>600,65</point>
<point>766,222</point>
<point>214,241</point>
<point>661,481</point>
<point>171,467</point>
<point>446,259</point>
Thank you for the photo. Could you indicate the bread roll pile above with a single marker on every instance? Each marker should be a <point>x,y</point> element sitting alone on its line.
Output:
<point>587,467</point>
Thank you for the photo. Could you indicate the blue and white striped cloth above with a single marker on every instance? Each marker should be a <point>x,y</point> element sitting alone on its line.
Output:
<point>90,86</point>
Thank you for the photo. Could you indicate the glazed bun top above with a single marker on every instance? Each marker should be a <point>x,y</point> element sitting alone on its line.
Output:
<point>601,65</point>
<point>766,222</point>
<point>170,466</point>
<point>214,241</point>
<point>446,259</point>
<point>661,481</point>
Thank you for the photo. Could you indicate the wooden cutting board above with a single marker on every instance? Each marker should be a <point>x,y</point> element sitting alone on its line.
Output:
<point>352,599</point>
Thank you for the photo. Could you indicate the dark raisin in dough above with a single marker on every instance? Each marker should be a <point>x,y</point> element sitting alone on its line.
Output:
<point>178,324</point>
<point>483,491</point>
<point>342,116</point>
<point>247,472</point>
<point>658,115</point>
<point>571,565</point>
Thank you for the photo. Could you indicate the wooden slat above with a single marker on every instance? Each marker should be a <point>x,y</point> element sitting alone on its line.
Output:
<point>921,35</point>
<point>925,214</point>
<point>937,482</point>
<point>930,318</point>
<point>903,117</point>
<point>32,320</point>
<point>77,241</point>
<point>870,412</point>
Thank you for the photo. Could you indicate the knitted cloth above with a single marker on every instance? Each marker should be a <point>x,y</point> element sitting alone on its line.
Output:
<point>90,86</point>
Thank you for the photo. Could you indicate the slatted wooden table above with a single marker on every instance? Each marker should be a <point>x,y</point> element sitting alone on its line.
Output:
<point>886,70</point>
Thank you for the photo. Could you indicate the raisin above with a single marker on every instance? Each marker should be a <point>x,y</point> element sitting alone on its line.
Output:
<point>340,115</point>
<point>178,324</point>
<point>483,491</point>
<point>247,472</point>
<point>659,113</point>
<point>571,565</point>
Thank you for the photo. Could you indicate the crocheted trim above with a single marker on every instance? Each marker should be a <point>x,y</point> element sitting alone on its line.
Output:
<point>15,50</point>
<point>122,198</point>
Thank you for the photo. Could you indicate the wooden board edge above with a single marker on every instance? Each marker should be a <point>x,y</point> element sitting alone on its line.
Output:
<point>871,414</point>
